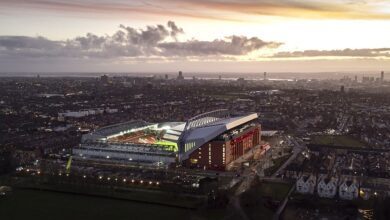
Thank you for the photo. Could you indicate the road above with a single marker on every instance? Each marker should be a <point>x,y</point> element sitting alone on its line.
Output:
<point>283,204</point>
<point>297,149</point>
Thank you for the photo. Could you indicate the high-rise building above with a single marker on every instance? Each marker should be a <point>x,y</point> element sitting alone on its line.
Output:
<point>265,76</point>
<point>180,76</point>
<point>382,76</point>
<point>104,79</point>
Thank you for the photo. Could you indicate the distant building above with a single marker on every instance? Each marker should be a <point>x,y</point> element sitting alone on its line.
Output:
<point>382,76</point>
<point>349,189</point>
<point>342,89</point>
<point>85,112</point>
<point>265,76</point>
<point>180,76</point>
<point>327,186</point>
<point>166,76</point>
<point>241,80</point>
<point>306,184</point>
<point>367,79</point>
<point>104,79</point>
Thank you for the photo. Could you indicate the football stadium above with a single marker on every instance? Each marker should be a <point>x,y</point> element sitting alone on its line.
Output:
<point>210,140</point>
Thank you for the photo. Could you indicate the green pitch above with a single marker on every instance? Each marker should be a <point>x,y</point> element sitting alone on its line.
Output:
<point>172,145</point>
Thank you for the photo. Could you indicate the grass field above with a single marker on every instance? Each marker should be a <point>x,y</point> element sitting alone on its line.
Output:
<point>277,163</point>
<point>168,143</point>
<point>258,202</point>
<point>275,190</point>
<point>337,140</point>
<point>34,204</point>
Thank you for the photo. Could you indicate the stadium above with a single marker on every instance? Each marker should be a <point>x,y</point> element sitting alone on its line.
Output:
<point>210,140</point>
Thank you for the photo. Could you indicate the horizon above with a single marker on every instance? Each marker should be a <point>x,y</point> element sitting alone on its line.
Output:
<point>204,75</point>
<point>195,36</point>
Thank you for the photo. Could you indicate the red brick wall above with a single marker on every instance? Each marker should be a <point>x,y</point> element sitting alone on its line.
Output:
<point>210,155</point>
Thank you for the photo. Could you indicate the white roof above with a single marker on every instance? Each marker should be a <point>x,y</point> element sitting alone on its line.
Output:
<point>202,135</point>
<point>179,127</point>
<point>219,127</point>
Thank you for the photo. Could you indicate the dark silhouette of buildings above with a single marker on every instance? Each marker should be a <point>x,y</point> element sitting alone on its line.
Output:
<point>180,76</point>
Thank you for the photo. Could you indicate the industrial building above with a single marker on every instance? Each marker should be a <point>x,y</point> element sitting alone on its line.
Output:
<point>208,141</point>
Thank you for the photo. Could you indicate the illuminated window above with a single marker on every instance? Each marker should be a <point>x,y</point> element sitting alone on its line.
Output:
<point>194,161</point>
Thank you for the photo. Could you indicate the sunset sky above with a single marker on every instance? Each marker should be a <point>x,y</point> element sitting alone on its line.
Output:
<point>194,35</point>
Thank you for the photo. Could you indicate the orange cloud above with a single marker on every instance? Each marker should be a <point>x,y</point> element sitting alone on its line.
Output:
<point>216,9</point>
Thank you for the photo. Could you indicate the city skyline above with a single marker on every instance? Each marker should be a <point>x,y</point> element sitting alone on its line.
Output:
<point>194,36</point>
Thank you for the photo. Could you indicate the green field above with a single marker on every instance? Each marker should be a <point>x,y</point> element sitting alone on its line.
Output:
<point>275,190</point>
<point>35,204</point>
<point>276,164</point>
<point>258,202</point>
<point>173,145</point>
<point>337,140</point>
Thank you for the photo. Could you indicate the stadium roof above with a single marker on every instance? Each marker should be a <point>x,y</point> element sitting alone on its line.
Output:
<point>117,128</point>
<point>196,137</point>
<point>103,133</point>
<point>189,135</point>
<point>269,133</point>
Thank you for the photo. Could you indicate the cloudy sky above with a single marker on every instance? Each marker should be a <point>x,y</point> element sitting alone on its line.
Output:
<point>194,35</point>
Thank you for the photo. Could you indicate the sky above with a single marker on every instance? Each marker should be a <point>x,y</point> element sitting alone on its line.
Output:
<point>194,35</point>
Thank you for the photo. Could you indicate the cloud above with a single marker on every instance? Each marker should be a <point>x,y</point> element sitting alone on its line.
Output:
<point>339,9</point>
<point>17,42</point>
<point>152,41</point>
<point>233,45</point>
<point>369,52</point>
<point>174,29</point>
